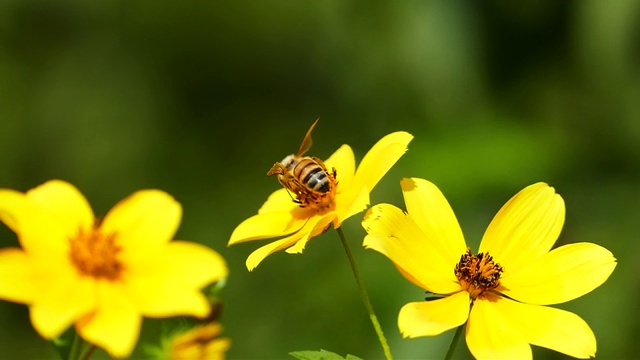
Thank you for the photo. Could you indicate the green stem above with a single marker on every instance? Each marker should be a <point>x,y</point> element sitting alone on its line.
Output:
<point>89,352</point>
<point>76,347</point>
<point>454,342</point>
<point>365,297</point>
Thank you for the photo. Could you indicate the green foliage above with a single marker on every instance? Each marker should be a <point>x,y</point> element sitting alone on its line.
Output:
<point>200,98</point>
<point>320,355</point>
<point>66,344</point>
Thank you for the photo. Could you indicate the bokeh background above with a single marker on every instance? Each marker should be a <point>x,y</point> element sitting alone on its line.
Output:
<point>200,98</point>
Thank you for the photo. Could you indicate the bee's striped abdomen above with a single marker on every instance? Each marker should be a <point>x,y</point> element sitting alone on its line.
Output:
<point>312,175</point>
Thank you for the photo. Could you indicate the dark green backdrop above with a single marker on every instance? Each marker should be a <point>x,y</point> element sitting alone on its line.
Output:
<point>200,98</point>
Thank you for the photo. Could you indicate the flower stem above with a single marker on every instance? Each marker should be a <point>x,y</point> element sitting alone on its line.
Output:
<point>76,347</point>
<point>454,342</point>
<point>89,352</point>
<point>365,297</point>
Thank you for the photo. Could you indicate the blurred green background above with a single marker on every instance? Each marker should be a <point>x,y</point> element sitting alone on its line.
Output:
<point>200,98</point>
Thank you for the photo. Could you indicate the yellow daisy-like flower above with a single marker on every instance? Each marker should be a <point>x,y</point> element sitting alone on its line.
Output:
<point>499,292</point>
<point>199,343</point>
<point>281,216</point>
<point>101,276</point>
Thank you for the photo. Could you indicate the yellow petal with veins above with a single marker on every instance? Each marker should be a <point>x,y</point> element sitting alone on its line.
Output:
<point>380,158</point>
<point>491,335</point>
<point>266,225</point>
<point>344,162</point>
<point>350,203</point>
<point>430,318</point>
<point>551,328</point>
<point>394,234</point>
<point>302,235</point>
<point>279,201</point>
<point>322,222</point>
<point>431,211</point>
<point>525,228</point>
<point>256,257</point>
<point>563,274</point>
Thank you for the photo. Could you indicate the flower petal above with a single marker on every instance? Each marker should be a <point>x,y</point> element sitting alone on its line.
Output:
<point>420,258</point>
<point>256,257</point>
<point>170,283</point>
<point>551,328</point>
<point>303,235</point>
<point>15,277</point>
<point>63,298</point>
<point>491,335</point>
<point>157,299</point>
<point>266,225</point>
<point>46,216</point>
<point>350,199</point>
<point>430,318</point>
<point>321,225</point>
<point>431,211</point>
<point>563,274</point>
<point>12,208</point>
<point>526,227</point>
<point>200,342</point>
<point>193,265</point>
<point>344,162</point>
<point>115,326</point>
<point>64,204</point>
<point>349,203</point>
<point>145,220</point>
<point>380,158</point>
<point>279,201</point>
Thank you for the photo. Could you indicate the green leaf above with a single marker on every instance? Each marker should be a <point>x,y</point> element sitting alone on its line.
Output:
<point>320,355</point>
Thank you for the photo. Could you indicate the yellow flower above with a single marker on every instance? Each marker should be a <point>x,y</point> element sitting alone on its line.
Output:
<point>281,216</point>
<point>199,343</point>
<point>498,292</point>
<point>101,276</point>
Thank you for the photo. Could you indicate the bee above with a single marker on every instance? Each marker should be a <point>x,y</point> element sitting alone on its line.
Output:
<point>306,177</point>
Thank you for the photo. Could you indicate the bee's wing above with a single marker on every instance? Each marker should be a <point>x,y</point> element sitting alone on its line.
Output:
<point>306,142</point>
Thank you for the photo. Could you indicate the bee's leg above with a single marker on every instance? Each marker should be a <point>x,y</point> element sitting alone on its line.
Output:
<point>295,200</point>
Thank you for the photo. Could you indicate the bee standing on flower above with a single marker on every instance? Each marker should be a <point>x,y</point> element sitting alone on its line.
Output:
<point>319,200</point>
<point>307,177</point>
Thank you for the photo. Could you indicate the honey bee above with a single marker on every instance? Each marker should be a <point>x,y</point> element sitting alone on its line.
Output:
<point>306,177</point>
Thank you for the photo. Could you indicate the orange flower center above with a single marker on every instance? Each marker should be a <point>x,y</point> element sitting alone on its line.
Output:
<point>96,254</point>
<point>478,273</point>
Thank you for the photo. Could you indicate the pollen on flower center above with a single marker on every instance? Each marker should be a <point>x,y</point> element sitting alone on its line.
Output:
<point>96,254</point>
<point>478,273</point>
<point>316,200</point>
